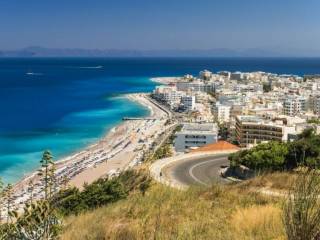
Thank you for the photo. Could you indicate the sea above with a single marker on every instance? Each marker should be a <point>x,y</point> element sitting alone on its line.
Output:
<point>66,104</point>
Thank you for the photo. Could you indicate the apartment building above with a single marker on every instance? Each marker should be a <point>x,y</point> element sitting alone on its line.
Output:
<point>195,86</point>
<point>168,95</point>
<point>315,104</point>
<point>205,75</point>
<point>188,103</point>
<point>252,130</point>
<point>221,112</point>
<point>294,105</point>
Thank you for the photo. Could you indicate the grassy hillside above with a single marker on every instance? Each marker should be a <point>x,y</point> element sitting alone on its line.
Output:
<point>277,181</point>
<point>218,212</point>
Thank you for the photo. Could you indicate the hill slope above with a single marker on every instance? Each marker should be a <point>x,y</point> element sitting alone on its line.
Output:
<point>225,212</point>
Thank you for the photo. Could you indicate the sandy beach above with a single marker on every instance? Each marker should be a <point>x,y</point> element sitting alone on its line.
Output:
<point>137,134</point>
<point>122,147</point>
<point>165,80</point>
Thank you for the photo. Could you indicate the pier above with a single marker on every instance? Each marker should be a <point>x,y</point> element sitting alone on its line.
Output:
<point>137,118</point>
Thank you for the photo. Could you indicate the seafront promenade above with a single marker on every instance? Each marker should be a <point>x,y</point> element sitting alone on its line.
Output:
<point>138,136</point>
<point>121,148</point>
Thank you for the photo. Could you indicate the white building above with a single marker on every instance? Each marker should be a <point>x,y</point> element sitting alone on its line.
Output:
<point>221,112</point>
<point>294,105</point>
<point>193,135</point>
<point>252,87</point>
<point>196,86</point>
<point>205,75</point>
<point>168,95</point>
<point>188,103</point>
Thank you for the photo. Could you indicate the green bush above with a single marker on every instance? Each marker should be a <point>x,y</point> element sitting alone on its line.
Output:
<point>304,151</point>
<point>266,156</point>
<point>101,192</point>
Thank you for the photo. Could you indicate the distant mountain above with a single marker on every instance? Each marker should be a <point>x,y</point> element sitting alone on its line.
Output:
<point>219,52</point>
<point>72,52</point>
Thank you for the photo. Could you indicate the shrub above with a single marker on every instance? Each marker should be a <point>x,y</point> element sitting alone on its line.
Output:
<point>101,192</point>
<point>274,156</point>
<point>302,209</point>
<point>265,156</point>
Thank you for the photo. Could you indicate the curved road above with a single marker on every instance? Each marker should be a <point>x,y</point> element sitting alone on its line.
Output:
<point>199,171</point>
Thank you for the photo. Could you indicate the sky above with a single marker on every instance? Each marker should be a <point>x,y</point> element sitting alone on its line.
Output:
<point>160,24</point>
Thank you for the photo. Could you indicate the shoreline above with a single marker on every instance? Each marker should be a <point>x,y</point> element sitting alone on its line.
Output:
<point>165,80</point>
<point>86,148</point>
<point>119,148</point>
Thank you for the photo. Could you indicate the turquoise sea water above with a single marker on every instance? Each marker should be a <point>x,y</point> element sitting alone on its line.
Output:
<point>67,104</point>
<point>72,132</point>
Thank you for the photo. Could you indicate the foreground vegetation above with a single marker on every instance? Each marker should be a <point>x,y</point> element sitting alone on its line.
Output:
<point>234,211</point>
<point>278,156</point>
<point>131,206</point>
<point>165,213</point>
<point>101,192</point>
<point>275,181</point>
<point>43,219</point>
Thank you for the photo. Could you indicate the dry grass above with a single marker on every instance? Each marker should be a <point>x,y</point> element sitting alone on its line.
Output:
<point>276,181</point>
<point>257,222</point>
<point>165,213</point>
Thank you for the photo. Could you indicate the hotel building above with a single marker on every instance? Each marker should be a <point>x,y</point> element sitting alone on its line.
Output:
<point>193,135</point>
<point>251,130</point>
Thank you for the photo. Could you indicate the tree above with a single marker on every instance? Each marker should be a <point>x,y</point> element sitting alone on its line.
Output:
<point>69,201</point>
<point>223,131</point>
<point>101,192</point>
<point>306,134</point>
<point>265,156</point>
<point>301,210</point>
<point>39,221</point>
<point>64,182</point>
<point>8,231</point>
<point>42,213</point>
<point>8,201</point>
<point>30,190</point>
<point>305,151</point>
<point>7,227</point>
<point>47,174</point>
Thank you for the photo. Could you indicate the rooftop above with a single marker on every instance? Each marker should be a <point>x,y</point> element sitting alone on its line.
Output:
<point>256,120</point>
<point>218,146</point>
<point>199,128</point>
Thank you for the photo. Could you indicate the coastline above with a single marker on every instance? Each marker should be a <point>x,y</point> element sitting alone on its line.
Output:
<point>165,80</point>
<point>121,147</point>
